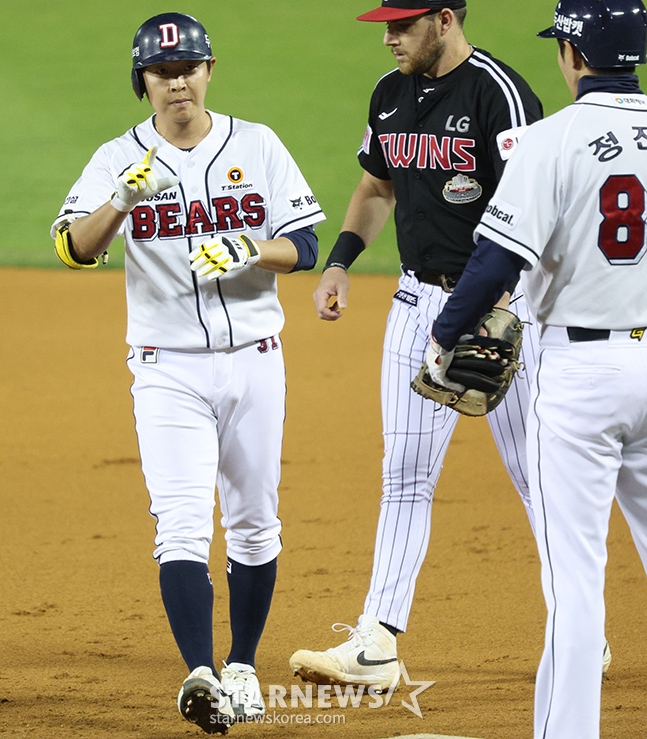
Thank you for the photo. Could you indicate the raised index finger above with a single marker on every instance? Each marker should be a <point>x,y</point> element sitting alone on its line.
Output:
<point>151,154</point>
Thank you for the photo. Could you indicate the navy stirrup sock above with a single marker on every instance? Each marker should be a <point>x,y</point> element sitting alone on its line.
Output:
<point>187,594</point>
<point>250,597</point>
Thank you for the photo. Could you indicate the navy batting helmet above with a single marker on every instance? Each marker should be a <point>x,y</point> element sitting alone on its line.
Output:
<point>607,33</point>
<point>167,37</point>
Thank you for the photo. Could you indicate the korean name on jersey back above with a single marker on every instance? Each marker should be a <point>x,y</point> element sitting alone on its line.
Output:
<point>168,220</point>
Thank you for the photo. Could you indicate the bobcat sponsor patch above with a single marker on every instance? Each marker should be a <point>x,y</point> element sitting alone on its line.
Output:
<point>302,202</point>
<point>503,214</point>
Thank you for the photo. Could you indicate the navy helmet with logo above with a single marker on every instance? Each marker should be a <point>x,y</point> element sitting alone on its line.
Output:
<point>607,33</point>
<point>167,37</point>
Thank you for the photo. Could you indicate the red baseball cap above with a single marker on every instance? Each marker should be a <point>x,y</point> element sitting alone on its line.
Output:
<point>395,10</point>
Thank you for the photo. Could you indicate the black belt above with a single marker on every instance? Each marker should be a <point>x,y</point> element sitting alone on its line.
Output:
<point>587,334</point>
<point>447,282</point>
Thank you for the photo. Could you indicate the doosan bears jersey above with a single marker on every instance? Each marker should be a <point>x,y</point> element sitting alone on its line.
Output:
<point>443,142</point>
<point>239,178</point>
<point>541,211</point>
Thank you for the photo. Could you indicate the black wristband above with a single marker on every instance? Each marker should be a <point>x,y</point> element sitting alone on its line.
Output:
<point>345,251</point>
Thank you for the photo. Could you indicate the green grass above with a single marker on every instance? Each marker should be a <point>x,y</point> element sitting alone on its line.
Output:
<point>304,67</point>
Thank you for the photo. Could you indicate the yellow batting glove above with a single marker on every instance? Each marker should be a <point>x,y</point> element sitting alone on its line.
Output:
<point>225,254</point>
<point>139,182</point>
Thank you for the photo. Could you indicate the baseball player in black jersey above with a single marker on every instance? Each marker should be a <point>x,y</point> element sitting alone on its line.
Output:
<point>441,127</point>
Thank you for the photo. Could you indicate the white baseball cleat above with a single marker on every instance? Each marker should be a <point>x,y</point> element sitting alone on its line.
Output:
<point>240,683</point>
<point>203,701</point>
<point>369,657</point>
<point>606,658</point>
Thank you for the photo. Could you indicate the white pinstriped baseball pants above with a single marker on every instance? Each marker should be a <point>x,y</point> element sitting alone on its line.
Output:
<point>416,436</point>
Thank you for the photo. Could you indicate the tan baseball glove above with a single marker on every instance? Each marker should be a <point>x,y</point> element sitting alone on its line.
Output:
<point>484,365</point>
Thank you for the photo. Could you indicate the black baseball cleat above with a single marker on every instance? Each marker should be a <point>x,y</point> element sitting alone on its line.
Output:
<point>203,702</point>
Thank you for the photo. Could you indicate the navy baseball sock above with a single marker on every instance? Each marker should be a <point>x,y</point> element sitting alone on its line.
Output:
<point>250,597</point>
<point>390,628</point>
<point>187,594</point>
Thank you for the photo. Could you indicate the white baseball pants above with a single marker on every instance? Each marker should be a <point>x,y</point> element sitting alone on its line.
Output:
<point>587,441</point>
<point>208,418</point>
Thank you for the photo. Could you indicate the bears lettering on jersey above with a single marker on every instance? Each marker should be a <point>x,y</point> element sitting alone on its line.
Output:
<point>167,221</point>
<point>426,151</point>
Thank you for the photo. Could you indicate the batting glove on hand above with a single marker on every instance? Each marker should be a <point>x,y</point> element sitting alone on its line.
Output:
<point>226,254</point>
<point>139,182</point>
<point>438,361</point>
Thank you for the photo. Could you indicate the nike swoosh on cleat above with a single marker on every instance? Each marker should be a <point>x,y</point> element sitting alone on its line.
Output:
<point>362,660</point>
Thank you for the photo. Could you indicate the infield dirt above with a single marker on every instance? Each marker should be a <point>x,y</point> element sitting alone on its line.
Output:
<point>85,649</point>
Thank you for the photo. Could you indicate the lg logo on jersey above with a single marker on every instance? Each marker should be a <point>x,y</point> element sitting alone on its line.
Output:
<point>462,124</point>
<point>166,221</point>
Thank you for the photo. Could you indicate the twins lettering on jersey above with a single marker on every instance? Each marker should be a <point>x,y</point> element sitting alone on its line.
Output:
<point>424,151</point>
<point>167,220</point>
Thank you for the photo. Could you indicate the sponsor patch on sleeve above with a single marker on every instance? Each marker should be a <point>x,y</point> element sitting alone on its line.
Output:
<point>502,214</point>
<point>366,144</point>
<point>507,141</point>
<point>302,202</point>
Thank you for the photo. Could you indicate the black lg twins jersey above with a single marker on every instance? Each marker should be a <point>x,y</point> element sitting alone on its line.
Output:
<point>443,143</point>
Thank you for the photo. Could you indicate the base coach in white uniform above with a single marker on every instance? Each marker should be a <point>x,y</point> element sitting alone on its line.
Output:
<point>570,211</point>
<point>211,208</point>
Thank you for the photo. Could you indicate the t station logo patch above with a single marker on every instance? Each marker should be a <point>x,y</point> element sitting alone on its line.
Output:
<point>236,178</point>
<point>235,175</point>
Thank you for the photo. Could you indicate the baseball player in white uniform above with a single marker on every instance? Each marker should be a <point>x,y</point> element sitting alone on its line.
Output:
<point>570,210</point>
<point>210,208</point>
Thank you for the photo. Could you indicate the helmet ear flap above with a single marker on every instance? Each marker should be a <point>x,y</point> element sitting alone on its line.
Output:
<point>137,79</point>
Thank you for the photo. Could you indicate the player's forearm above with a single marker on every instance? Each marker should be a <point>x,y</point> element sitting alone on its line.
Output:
<point>368,212</point>
<point>92,234</point>
<point>278,255</point>
<point>369,208</point>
